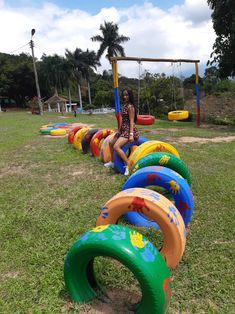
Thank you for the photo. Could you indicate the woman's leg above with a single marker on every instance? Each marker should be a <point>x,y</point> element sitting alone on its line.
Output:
<point>111,145</point>
<point>121,141</point>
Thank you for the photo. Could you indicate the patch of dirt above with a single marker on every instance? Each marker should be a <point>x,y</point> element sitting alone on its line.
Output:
<point>159,130</point>
<point>12,171</point>
<point>115,301</point>
<point>63,117</point>
<point>219,139</point>
<point>213,105</point>
<point>9,275</point>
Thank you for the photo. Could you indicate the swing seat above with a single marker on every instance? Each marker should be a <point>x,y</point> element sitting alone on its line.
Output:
<point>145,119</point>
<point>178,115</point>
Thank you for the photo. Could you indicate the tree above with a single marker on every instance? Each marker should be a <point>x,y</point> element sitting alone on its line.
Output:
<point>89,61</point>
<point>223,17</point>
<point>76,60</point>
<point>110,41</point>
<point>17,77</point>
<point>210,79</point>
<point>52,68</point>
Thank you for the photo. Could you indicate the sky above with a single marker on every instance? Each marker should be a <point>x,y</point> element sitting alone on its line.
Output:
<point>175,29</point>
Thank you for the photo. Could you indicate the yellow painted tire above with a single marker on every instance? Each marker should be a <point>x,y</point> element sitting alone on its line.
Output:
<point>151,147</point>
<point>156,207</point>
<point>44,126</point>
<point>178,115</point>
<point>77,141</point>
<point>58,132</point>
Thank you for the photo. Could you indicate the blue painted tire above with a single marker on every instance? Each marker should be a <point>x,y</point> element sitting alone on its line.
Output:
<point>118,162</point>
<point>168,179</point>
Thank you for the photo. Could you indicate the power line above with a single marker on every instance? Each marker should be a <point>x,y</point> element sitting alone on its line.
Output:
<point>19,48</point>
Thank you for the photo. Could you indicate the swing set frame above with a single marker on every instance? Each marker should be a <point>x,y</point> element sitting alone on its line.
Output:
<point>115,60</point>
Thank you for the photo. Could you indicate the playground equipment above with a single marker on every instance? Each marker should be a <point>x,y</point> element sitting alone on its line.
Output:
<point>72,133</point>
<point>145,119</point>
<point>178,115</point>
<point>118,162</point>
<point>97,140</point>
<point>150,147</point>
<point>163,159</point>
<point>153,164</point>
<point>115,80</point>
<point>77,141</point>
<point>131,249</point>
<point>86,140</point>
<point>105,153</point>
<point>156,207</point>
<point>168,179</point>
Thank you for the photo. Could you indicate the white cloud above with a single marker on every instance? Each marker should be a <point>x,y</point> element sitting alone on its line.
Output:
<point>182,32</point>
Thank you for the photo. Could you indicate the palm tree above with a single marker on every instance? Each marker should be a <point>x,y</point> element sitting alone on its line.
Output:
<point>89,62</point>
<point>75,59</point>
<point>110,40</point>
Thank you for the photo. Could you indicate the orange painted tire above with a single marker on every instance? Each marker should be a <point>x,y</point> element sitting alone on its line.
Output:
<point>105,153</point>
<point>145,119</point>
<point>77,142</point>
<point>151,147</point>
<point>97,140</point>
<point>72,133</point>
<point>156,207</point>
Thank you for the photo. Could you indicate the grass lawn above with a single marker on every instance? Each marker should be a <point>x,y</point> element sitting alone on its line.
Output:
<point>50,194</point>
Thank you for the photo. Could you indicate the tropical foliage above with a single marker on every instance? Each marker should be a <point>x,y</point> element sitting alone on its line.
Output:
<point>223,54</point>
<point>110,41</point>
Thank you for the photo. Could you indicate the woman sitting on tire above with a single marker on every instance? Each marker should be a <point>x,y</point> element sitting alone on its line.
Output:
<point>127,132</point>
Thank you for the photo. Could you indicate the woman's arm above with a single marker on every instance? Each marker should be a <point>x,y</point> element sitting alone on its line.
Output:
<point>131,112</point>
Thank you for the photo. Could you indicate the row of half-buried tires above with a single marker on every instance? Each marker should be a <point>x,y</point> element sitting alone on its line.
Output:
<point>150,167</point>
<point>129,246</point>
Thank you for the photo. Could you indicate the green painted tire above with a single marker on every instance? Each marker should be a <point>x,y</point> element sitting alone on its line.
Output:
<point>131,249</point>
<point>165,160</point>
<point>46,131</point>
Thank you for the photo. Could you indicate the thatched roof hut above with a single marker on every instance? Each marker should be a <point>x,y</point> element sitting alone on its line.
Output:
<point>57,101</point>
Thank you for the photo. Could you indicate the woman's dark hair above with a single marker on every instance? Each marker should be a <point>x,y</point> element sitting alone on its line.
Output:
<point>131,99</point>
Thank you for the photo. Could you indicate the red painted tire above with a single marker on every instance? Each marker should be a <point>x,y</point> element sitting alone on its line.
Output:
<point>97,139</point>
<point>145,119</point>
<point>73,132</point>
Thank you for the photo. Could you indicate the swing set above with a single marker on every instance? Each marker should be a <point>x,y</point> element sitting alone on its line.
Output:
<point>139,60</point>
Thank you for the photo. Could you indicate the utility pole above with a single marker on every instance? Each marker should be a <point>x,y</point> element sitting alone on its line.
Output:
<point>36,74</point>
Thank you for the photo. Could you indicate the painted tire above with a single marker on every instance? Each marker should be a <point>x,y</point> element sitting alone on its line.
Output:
<point>164,159</point>
<point>105,153</point>
<point>156,207</point>
<point>151,147</point>
<point>46,130</point>
<point>58,132</point>
<point>77,141</point>
<point>178,115</point>
<point>60,124</point>
<point>44,126</point>
<point>145,119</point>
<point>72,133</point>
<point>87,139</point>
<point>168,179</point>
<point>118,162</point>
<point>131,249</point>
<point>97,139</point>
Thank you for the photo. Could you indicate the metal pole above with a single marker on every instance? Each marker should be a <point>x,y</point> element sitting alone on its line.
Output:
<point>198,95</point>
<point>36,75</point>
